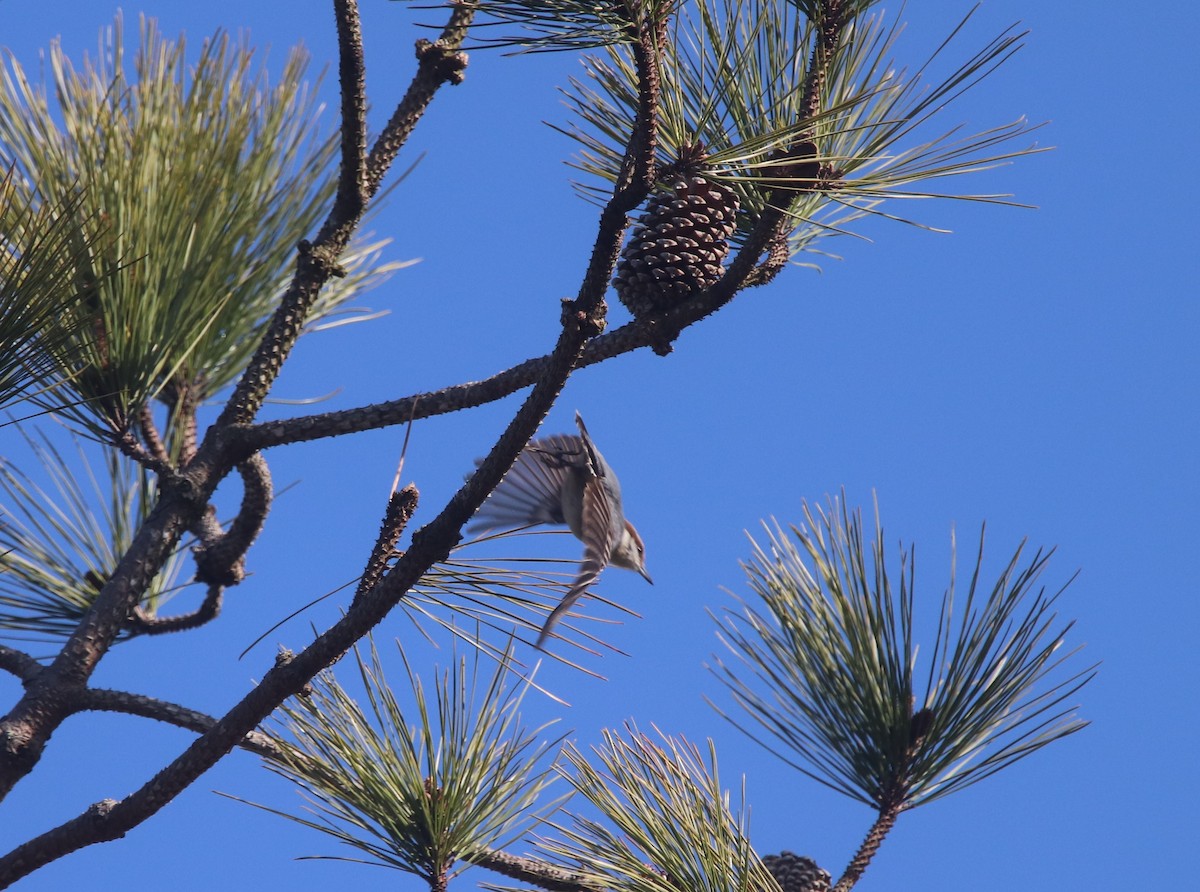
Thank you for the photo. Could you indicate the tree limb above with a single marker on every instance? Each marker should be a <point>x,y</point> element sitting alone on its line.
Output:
<point>19,663</point>
<point>106,700</point>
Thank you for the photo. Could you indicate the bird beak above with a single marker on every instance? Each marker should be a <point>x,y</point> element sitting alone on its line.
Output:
<point>646,576</point>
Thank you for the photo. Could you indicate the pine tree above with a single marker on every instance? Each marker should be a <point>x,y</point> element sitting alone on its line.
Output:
<point>159,255</point>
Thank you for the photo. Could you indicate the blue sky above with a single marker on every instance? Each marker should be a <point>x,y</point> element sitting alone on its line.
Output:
<point>1036,369</point>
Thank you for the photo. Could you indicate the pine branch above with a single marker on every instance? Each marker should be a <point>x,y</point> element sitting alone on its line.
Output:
<point>221,561</point>
<point>131,448</point>
<point>317,261</point>
<point>106,700</point>
<point>534,871</point>
<point>19,663</point>
<point>151,438</point>
<point>400,509</point>
<point>352,191</point>
<point>142,622</point>
<point>183,499</point>
<point>439,62</point>
<point>870,845</point>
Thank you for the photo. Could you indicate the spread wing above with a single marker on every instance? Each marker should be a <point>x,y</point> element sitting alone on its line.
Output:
<point>599,539</point>
<point>531,492</point>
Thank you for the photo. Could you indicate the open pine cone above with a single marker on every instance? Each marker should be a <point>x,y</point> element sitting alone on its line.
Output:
<point>677,246</point>
<point>795,873</point>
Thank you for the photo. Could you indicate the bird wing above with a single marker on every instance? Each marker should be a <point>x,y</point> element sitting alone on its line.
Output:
<point>599,538</point>
<point>531,491</point>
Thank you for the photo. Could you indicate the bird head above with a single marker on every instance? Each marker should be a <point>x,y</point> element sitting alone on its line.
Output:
<point>630,553</point>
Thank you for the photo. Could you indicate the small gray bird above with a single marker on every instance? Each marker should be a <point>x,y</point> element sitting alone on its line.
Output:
<point>563,479</point>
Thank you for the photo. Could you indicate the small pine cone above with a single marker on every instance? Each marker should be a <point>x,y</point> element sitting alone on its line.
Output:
<point>795,873</point>
<point>677,246</point>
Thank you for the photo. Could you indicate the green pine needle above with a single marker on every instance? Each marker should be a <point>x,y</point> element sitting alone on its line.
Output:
<point>419,784</point>
<point>734,81</point>
<point>38,256</point>
<point>828,667</point>
<point>59,545</point>
<point>539,26</point>
<point>194,183</point>
<point>667,821</point>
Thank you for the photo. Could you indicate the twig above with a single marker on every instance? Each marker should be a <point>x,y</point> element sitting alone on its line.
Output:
<point>221,560</point>
<point>401,506</point>
<point>105,700</point>
<point>182,418</point>
<point>888,814</point>
<point>143,623</point>
<point>440,62</point>
<point>530,870</point>
<point>130,447</point>
<point>352,190</point>
<point>150,435</point>
<point>627,338</point>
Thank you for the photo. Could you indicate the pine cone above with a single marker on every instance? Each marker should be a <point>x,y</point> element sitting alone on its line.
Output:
<point>795,873</point>
<point>677,246</point>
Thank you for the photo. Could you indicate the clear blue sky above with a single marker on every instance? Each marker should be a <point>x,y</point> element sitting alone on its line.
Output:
<point>1037,369</point>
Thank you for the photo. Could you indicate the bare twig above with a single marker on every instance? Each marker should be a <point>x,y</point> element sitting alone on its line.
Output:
<point>352,190</point>
<point>130,447</point>
<point>888,814</point>
<point>104,700</point>
<point>530,870</point>
<point>778,255</point>
<point>151,437</point>
<point>182,417</point>
<point>143,623</point>
<point>440,62</point>
<point>399,512</point>
<point>221,560</point>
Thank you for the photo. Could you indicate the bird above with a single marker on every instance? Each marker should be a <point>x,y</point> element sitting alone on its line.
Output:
<point>563,479</point>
